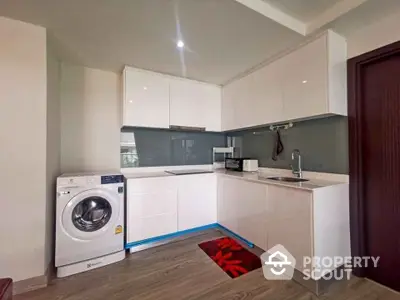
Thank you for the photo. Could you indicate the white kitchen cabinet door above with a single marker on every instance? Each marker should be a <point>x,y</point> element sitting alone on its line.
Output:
<point>237,111</point>
<point>242,209</point>
<point>151,207</point>
<point>212,107</point>
<point>197,201</point>
<point>289,215</point>
<point>146,99</point>
<point>195,104</point>
<point>251,212</point>
<point>308,82</point>
<point>228,203</point>
<point>243,103</point>
<point>337,77</point>
<point>227,108</point>
<point>305,84</point>
<point>267,102</point>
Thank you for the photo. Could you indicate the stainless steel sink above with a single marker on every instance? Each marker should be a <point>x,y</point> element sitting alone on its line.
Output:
<point>288,179</point>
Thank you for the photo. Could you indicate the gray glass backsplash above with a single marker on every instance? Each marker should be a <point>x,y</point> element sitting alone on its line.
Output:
<point>323,144</point>
<point>145,147</point>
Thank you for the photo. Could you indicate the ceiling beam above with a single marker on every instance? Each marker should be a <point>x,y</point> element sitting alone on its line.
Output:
<point>276,15</point>
<point>331,14</point>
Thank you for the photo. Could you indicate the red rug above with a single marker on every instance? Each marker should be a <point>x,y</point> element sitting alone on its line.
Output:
<point>231,257</point>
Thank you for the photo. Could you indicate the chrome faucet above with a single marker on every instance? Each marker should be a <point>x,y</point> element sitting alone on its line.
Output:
<point>298,173</point>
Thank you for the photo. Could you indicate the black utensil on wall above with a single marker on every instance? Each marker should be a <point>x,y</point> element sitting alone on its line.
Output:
<point>278,149</point>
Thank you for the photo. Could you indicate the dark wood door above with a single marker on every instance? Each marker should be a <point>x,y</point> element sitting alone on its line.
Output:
<point>380,159</point>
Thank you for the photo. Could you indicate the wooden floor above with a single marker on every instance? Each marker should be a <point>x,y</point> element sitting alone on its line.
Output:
<point>181,270</point>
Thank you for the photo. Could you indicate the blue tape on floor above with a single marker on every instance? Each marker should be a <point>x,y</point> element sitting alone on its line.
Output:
<point>183,232</point>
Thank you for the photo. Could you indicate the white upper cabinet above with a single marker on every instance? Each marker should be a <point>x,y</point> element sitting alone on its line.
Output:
<point>236,109</point>
<point>244,102</point>
<point>145,99</point>
<point>315,78</point>
<point>308,82</point>
<point>195,104</point>
<point>305,85</point>
<point>157,100</point>
<point>267,94</point>
<point>228,117</point>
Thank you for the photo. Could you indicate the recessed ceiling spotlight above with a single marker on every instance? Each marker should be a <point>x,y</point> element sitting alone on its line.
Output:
<point>180,44</point>
<point>304,81</point>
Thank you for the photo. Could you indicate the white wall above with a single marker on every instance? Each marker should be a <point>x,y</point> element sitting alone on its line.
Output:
<point>32,85</point>
<point>23,149</point>
<point>53,145</point>
<point>90,119</point>
<point>375,35</point>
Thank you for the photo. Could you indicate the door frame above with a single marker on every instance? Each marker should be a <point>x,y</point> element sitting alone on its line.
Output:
<point>357,205</point>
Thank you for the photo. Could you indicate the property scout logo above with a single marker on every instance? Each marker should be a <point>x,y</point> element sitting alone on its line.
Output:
<point>279,264</point>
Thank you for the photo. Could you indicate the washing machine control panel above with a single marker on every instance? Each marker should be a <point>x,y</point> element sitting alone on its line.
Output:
<point>88,180</point>
<point>112,179</point>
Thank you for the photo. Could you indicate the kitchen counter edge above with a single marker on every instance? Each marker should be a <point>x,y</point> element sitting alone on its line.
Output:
<point>256,177</point>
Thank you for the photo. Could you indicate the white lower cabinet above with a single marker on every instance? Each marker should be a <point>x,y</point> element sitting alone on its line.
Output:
<point>151,207</point>
<point>252,212</point>
<point>242,209</point>
<point>227,203</point>
<point>197,201</point>
<point>290,221</point>
<point>307,223</point>
<point>162,205</point>
<point>267,215</point>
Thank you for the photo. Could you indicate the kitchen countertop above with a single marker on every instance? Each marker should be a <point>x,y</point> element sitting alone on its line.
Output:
<point>258,177</point>
<point>146,175</point>
<point>261,177</point>
<point>147,172</point>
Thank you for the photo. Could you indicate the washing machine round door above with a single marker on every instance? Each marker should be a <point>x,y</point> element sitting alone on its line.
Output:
<point>91,213</point>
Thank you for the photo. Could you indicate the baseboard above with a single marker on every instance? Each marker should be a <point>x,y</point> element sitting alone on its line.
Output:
<point>168,237</point>
<point>34,283</point>
<point>322,286</point>
<point>164,242</point>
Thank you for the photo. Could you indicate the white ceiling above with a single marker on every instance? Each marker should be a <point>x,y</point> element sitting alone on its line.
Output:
<point>303,10</point>
<point>223,38</point>
<point>366,14</point>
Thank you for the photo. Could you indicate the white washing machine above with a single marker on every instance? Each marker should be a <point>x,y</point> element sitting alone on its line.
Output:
<point>89,222</point>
